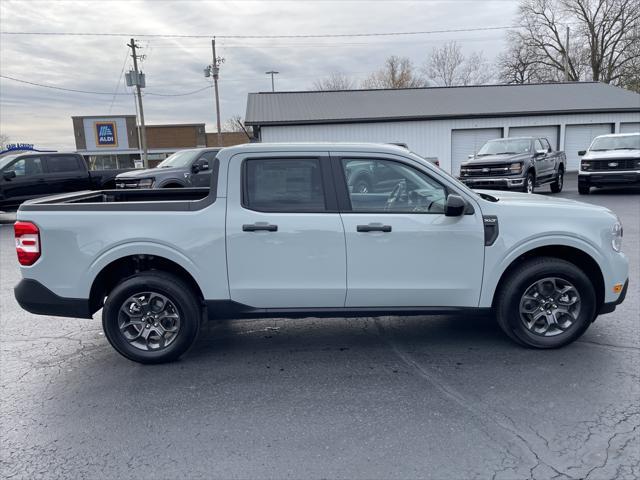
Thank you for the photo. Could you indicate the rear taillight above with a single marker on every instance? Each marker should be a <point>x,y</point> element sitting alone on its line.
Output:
<point>27,242</point>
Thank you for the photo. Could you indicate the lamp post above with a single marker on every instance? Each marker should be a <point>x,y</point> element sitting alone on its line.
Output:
<point>272,73</point>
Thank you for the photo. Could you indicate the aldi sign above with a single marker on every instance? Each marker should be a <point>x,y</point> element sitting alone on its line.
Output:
<point>106,134</point>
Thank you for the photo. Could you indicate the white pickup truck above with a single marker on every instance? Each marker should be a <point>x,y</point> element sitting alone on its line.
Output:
<point>282,232</point>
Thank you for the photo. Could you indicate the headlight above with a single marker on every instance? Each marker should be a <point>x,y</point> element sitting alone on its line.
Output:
<point>146,183</point>
<point>584,165</point>
<point>616,233</point>
<point>515,167</point>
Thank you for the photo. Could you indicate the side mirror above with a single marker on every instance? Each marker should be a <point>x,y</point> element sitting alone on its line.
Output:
<point>455,206</point>
<point>540,153</point>
<point>581,153</point>
<point>9,175</point>
<point>470,156</point>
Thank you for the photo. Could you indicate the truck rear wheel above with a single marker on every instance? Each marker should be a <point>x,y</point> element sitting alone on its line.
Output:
<point>557,184</point>
<point>546,303</point>
<point>152,317</point>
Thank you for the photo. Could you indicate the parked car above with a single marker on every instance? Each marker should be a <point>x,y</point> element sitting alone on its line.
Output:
<point>185,168</point>
<point>278,233</point>
<point>610,160</point>
<point>24,176</point>
<point>515,163</point>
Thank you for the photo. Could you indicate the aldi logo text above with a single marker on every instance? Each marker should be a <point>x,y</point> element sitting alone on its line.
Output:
<point>106,135</point>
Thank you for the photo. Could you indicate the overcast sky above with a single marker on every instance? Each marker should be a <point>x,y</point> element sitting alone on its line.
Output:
<point>42,116</point>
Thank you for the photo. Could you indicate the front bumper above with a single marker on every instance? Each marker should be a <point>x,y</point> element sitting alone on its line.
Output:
<point>598,179</point>
<point>611,306</point>
<point>36,298</point>
<point>493,182</point>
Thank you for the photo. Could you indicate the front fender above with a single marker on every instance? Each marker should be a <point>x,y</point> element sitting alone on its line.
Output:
<point>496,263</point>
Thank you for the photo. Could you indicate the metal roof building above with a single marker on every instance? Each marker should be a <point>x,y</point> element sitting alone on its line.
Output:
<point>448,122</point>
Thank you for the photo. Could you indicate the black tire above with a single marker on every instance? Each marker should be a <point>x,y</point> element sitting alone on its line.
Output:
<point>584,189</point>
<point>529,183</point>
<point>558,183</point>
<point>176,291</point>
<point>362,185</point>
<point>518,282</point>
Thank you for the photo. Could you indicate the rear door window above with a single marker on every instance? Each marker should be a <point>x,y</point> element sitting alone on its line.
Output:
<point>62,163</point>
<point>283,185</point>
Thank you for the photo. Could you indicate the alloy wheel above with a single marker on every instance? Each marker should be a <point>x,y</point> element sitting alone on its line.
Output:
<point>550,306</point>
<point>149,321</point>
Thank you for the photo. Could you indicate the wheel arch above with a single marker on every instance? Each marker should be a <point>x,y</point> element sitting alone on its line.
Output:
<point>123,267</point>
<point>171,183</point>
<point>572,254</point>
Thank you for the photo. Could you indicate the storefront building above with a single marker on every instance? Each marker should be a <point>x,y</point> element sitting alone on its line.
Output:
<point>113,141</point>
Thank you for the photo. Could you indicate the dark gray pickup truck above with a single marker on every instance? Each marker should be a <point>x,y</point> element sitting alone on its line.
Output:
<point>185,168</point>
<point>515,163</point>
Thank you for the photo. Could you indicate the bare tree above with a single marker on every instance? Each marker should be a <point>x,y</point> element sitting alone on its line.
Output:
<point>603,41</point>
<point>234,124</point>
<point>447,66</point>
<point>335,81</point>
<point>398,72</point>
<point>4,140</point>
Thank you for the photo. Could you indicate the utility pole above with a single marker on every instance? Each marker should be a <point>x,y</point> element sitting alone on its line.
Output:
<point>272,73</point>
<point>215,71</point>
<point>138,81</point>
<point>566,56</point>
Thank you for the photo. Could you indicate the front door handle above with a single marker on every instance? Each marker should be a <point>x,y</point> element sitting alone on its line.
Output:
<point>259,226</point>
<point>374,227</point>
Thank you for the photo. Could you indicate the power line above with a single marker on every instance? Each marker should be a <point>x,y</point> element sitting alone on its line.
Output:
<point>236,36</point>
<point>19,80</point>
<point>115,92</point>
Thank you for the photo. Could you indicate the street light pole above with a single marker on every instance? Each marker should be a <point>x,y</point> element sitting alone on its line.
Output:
<point>215,70</point>
<point>272,73</point>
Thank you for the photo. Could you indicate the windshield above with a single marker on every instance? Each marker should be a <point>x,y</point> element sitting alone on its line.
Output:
<point>626,142</point>
<point>182,158</point>
<point>4,161</point>
<point>505,146</point>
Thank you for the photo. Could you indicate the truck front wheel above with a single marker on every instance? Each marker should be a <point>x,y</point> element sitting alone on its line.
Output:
<point>529,183</point>
<point>546,302</point>
<point>151,317</point>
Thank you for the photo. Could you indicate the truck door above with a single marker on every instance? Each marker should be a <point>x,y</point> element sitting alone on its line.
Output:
<point>285,239</point>
<point>66,173</point>
<point>402,251</point>
<point>203,176</point>
<point>23,179</point>
<point>543,161</point>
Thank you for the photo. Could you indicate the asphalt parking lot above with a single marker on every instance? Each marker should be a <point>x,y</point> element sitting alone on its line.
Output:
<point>420,397</point>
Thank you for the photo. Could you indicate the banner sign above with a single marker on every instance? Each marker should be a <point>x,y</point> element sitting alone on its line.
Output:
<point>106,134</point>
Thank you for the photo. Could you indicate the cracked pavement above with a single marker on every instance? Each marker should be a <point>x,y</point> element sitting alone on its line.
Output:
<point>390,397</point>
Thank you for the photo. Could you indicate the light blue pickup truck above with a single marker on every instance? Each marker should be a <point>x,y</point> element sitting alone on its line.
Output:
<point>282,232</point>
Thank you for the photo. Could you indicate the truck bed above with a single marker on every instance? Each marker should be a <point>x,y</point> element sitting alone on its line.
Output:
<point>147,199</point>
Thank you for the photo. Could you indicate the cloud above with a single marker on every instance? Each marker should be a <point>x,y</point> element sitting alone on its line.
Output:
<point>43,116</point>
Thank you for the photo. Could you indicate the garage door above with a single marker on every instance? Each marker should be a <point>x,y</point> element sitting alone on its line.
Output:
<point>549,132</point>
<point>579,137</point>
<point>467,142</point>
<point>630,127</point>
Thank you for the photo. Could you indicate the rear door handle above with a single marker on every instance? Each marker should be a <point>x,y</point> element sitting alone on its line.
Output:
<point>256,227</point>
<point>374,227</point>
